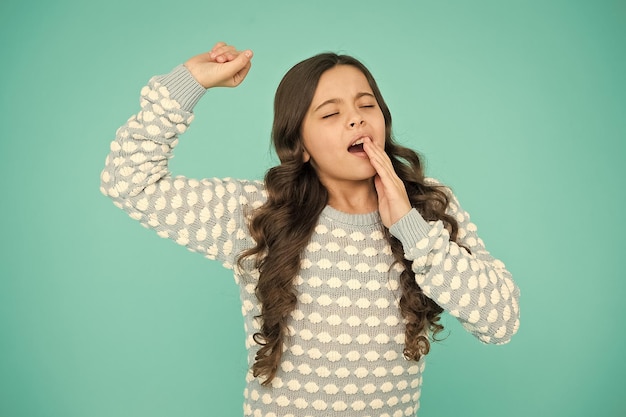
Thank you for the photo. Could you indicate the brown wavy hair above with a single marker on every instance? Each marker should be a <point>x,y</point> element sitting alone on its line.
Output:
<point>283,226</point>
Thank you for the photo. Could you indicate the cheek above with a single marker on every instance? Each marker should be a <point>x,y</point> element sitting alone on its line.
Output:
<point>382,130</point>
<point>319,138</point>
<point>311,135</point>
<point>380,120</point>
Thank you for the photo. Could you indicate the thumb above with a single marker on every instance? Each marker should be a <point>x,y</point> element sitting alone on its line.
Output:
<point>245,55</point>
<point>378,184</point>
<point>239,67</point>
<point>380,191</point>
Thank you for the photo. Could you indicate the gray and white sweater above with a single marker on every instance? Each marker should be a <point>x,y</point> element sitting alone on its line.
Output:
<point>344,354</point>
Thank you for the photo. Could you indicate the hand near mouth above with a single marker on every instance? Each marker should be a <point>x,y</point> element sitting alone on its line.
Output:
<point>393,201</point>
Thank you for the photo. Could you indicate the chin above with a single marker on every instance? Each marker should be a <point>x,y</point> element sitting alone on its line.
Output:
<point>365,177</point>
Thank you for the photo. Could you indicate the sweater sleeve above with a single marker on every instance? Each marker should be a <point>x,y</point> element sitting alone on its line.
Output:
<point>471,285</point>
<point>208,215</point>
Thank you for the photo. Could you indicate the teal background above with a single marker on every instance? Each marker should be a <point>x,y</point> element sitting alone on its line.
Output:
<point>520,106</point>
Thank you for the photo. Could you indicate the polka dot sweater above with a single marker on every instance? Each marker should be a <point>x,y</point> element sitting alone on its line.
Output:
<point>344,353</point>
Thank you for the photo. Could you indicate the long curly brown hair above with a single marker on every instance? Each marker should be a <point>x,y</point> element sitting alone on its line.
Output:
<point>283,226</point>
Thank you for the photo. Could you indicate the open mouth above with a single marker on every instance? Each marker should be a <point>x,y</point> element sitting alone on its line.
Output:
<point>357,146</point>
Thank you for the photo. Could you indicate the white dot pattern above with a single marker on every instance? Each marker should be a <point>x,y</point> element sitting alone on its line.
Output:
<point>344,353</point>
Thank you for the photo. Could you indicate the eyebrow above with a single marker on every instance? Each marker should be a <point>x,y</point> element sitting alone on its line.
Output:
<point>337,100</point>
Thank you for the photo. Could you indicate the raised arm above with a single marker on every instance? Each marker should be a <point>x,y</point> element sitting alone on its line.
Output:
<point>204,215</point>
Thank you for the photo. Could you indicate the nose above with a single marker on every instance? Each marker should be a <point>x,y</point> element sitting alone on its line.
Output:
<point>355,117</point>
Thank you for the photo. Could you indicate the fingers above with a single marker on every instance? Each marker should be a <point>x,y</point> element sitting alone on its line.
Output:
<point>218,45</point>
<point>223,52</point>
<point>381,162</point>
<point>387,179</point>
<point>393,201</point>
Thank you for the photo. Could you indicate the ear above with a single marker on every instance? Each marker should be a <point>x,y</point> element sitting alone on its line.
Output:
<point>305,156</point>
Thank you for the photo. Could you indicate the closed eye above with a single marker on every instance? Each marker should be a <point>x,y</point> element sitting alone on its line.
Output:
<point>329,115</point>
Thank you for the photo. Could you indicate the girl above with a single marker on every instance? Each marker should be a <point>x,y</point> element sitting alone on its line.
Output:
<point>345,255</point>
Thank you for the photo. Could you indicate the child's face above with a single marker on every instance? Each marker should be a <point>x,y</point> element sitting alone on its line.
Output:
<point>342,111</point>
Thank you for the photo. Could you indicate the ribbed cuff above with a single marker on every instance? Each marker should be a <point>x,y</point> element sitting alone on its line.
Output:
<point>410,229</point>
<point>182,87</point>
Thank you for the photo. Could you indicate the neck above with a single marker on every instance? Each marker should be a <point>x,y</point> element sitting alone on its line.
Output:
<point>353,198</point>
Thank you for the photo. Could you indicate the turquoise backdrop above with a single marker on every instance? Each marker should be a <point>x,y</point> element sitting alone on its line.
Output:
<point>520,106</point>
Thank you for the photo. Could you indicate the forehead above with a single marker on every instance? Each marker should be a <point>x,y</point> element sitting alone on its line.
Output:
<point>340,82</point>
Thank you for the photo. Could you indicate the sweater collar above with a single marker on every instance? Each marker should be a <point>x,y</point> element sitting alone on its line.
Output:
<point>366,219</point>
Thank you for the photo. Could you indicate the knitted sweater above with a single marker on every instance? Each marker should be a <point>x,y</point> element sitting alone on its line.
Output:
<point>344,353</point>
